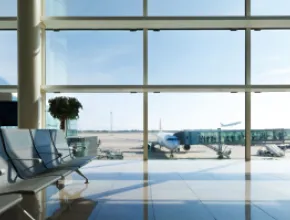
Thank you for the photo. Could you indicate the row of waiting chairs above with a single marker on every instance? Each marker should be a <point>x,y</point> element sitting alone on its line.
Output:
<point>31,160</point>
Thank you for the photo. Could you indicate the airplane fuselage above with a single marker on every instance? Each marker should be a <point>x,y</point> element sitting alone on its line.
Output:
<point>231,124</point>
<point>168,141</point>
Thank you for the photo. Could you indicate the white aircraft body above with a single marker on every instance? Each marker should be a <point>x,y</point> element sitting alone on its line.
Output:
<point>167,140</point>
<point>231,124</point>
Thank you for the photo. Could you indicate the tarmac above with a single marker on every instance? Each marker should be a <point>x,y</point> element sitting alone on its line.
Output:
<point>130,144</point>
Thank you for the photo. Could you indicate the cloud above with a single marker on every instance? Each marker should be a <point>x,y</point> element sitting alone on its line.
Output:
<point>8,72</point>
<point>272,76</point>
<point>8,57</point>
<point>110,65</point>
<point>274,58</point>
<point>100,55</point>
<point>279,71</point>
<point>91,78</point>
<point>106,55</point>
<point>8,8</point>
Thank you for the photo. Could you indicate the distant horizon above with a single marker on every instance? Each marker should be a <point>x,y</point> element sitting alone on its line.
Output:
<point>210,129</point>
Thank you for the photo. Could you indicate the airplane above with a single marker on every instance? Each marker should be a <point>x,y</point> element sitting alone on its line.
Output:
<point>230,124</point>
<point>167,140</point>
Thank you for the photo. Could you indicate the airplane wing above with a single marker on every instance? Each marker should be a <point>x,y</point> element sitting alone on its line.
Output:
<point>230,124</point>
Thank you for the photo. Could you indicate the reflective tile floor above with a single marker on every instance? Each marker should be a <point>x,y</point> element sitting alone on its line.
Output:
<point>177,189</point>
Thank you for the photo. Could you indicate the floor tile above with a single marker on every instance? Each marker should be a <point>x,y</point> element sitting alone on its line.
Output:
<point>180,209</point>
<point>277,209</point>
<point>229,210</point>
<point>177,189</point>
<point>124,210</point>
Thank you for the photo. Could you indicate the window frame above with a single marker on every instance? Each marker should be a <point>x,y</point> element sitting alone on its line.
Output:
<point>145,23</point>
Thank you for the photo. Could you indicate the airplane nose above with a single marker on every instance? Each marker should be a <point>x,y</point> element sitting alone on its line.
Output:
<point>175,144</point>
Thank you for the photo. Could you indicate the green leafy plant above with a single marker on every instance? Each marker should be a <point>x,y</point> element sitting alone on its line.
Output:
<point>64,108</point>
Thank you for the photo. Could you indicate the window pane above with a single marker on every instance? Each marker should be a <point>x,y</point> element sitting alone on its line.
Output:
<point>115,119</point>
<point>270,7</point>
<point>8,58</point>
<point>94,57</point>
<point>8,8</point>
<point>201,123</point>
<point>270,125</point>
<point>196,57</point>
<point>94,8</point>
<point>270,57</point>
<point>196,7</point>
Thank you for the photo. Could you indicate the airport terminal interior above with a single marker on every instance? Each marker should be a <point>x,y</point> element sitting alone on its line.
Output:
<point>144,109</point>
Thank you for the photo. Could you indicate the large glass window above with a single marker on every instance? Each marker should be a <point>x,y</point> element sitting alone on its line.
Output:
<point>204,124</point>
<point>196,57</point>
<point>8,58</point>
<point>8,8</point>
<point>270,57</point>
<point>270,125</point>
<point>195,7</point>
<point>270,7</point>
<point>94,8</point>
<point>110,125</point>
<point>94,58</point>
<point>53,123</point>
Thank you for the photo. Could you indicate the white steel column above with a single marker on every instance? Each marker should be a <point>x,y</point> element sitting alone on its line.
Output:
<point>29,68</point>
<point>43,78</point>
<point>248,82</point>
<point>145,82</point>
<point>145,94</point>
<point>248,127</point>
<point>43,69</point>
<point>145,126</point>
<point>248,96</point>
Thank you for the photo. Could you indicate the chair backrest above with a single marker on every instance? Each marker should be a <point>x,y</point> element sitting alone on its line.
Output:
<point>19,145</point>
<point>7,171</point>
<point>45,147</point>
<point>60,142</point>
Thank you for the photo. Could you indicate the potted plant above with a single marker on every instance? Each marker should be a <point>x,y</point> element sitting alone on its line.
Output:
<point>64,108</point>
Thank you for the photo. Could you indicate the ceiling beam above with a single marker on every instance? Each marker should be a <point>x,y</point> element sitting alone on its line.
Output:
<point>166,23</point>
<point>163,88</point>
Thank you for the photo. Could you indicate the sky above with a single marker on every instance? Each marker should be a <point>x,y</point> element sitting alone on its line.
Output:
<point>174,57</point>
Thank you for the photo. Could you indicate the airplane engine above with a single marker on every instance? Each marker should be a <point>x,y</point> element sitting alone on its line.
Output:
<point>186,147</point>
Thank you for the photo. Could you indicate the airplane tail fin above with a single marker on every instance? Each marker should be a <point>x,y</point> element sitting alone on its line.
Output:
<point>160,126</point>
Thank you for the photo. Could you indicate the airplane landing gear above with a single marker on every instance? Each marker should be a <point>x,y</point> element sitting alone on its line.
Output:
<point>171,154</point>
<point>151,147</point>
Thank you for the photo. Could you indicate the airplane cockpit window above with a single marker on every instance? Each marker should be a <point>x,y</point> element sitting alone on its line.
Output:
<point>172,139</point>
